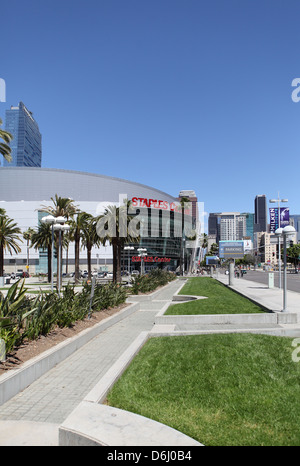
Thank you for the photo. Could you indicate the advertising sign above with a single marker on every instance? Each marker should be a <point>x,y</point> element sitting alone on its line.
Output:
<point>284,216</point>
<point>273,219</point>
<point>231,249</point>
<point>212,260</point>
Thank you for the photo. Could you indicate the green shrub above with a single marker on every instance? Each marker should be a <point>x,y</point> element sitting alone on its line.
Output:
<point>149,282</point>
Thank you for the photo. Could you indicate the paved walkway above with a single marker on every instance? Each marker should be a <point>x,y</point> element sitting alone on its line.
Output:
<point>52,397</point>
<point>33,416</point>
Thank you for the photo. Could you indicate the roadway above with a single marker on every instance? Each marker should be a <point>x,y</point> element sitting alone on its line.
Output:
<point>293,279</point>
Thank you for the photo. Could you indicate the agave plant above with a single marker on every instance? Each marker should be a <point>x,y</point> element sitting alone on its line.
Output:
<point>13,311</point>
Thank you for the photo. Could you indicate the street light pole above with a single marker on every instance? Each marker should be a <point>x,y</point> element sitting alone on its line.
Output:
<point>50,220</point>
<point>128,248</point>
<point>56,224</point>
<point>278,200</point>
<point>60,226</point>
<point>142,255</point>
<point>286,232</point>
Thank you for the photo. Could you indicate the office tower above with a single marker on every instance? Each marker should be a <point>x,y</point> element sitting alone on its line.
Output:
<point>295,222</point>
<point>192,198</point>
<point>260,213</point>
<point>249,224</point>
<point>26,146</point>
<point>213,225</point>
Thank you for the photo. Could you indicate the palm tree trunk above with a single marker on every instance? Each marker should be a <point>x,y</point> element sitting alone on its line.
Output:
<point>1,260</point>
<point>49,250</point>
<point>115,260</point>
<point>119,250</point>
<point>89,261</point>
<point>77,245</point>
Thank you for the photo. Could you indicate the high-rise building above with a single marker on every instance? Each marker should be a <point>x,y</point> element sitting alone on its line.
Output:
<point>227,226</point>
<point>295,222</point>
<point>26,145</point>
<point>249,224</point>
<point>260,213</point>
<point>214,226</point>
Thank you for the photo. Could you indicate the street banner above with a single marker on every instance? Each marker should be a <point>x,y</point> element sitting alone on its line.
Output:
<point>284,216</point>
<point>273,219</point>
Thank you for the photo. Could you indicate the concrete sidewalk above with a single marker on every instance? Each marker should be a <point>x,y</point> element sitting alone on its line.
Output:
<point>33,416</point>
<point>269,298</point>
<point>46,403</point>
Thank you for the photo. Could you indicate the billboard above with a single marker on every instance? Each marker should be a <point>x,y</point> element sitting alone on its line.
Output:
<point>231,249</point>
<point>212,260</point>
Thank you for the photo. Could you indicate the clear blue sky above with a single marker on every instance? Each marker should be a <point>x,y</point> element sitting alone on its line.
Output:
<point>175,94</point>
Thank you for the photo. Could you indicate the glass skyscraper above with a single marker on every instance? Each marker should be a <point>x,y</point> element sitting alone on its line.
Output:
<point>26,146</point>
<point>260,213</point>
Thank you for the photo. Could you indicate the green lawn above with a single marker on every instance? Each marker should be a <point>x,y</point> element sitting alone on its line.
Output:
<point>221,300</point>
<point>233,389</point>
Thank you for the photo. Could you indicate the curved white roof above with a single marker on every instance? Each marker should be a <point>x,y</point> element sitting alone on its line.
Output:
<point>36,184</point>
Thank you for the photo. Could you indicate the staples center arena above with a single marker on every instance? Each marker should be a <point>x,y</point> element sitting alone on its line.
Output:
<point>24,192</point>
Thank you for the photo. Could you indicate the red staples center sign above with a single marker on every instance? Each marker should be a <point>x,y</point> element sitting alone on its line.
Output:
<point>150,259</point>
<point>159,204</point>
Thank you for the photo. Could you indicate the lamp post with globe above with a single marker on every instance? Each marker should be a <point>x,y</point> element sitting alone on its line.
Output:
<point>286,233</point>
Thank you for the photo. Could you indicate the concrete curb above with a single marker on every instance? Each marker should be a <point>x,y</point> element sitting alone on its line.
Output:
<point>17,380</point>
<point>224,319</point>
<point>92,423</point>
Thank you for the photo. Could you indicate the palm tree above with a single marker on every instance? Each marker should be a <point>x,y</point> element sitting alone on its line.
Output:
<point>62,207</point>
<point>42,239</point>
<point>112,226</point>
<point>89,239</point>
<point>77,224</point>
<point>27,236</point>
<point>9,237</point>
<point>5,149</point>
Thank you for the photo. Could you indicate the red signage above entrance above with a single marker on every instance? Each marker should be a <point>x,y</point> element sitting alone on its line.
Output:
<point>158,204</point>
<point>150,259</point>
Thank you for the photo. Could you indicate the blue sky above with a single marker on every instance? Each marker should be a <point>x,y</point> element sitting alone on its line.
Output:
<point>175,94</point>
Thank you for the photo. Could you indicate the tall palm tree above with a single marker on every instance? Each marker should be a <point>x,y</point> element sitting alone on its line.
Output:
<point>5,149</point>
<point>112,226</point>
<point>42,239</point>
<point>77,224</point>
<point>27,236</point>
<point>9,238</point>
<point>90,239</point>
<point>62,207</point>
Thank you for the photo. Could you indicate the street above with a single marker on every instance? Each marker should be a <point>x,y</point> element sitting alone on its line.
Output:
<point>293,280</point>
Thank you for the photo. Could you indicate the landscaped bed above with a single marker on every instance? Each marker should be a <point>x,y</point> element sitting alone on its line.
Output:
<point>221,300</point>
<point>233,389</point>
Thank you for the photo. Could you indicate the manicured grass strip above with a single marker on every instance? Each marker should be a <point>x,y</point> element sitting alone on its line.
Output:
<point>221,300</point>
<point>233,389</point>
